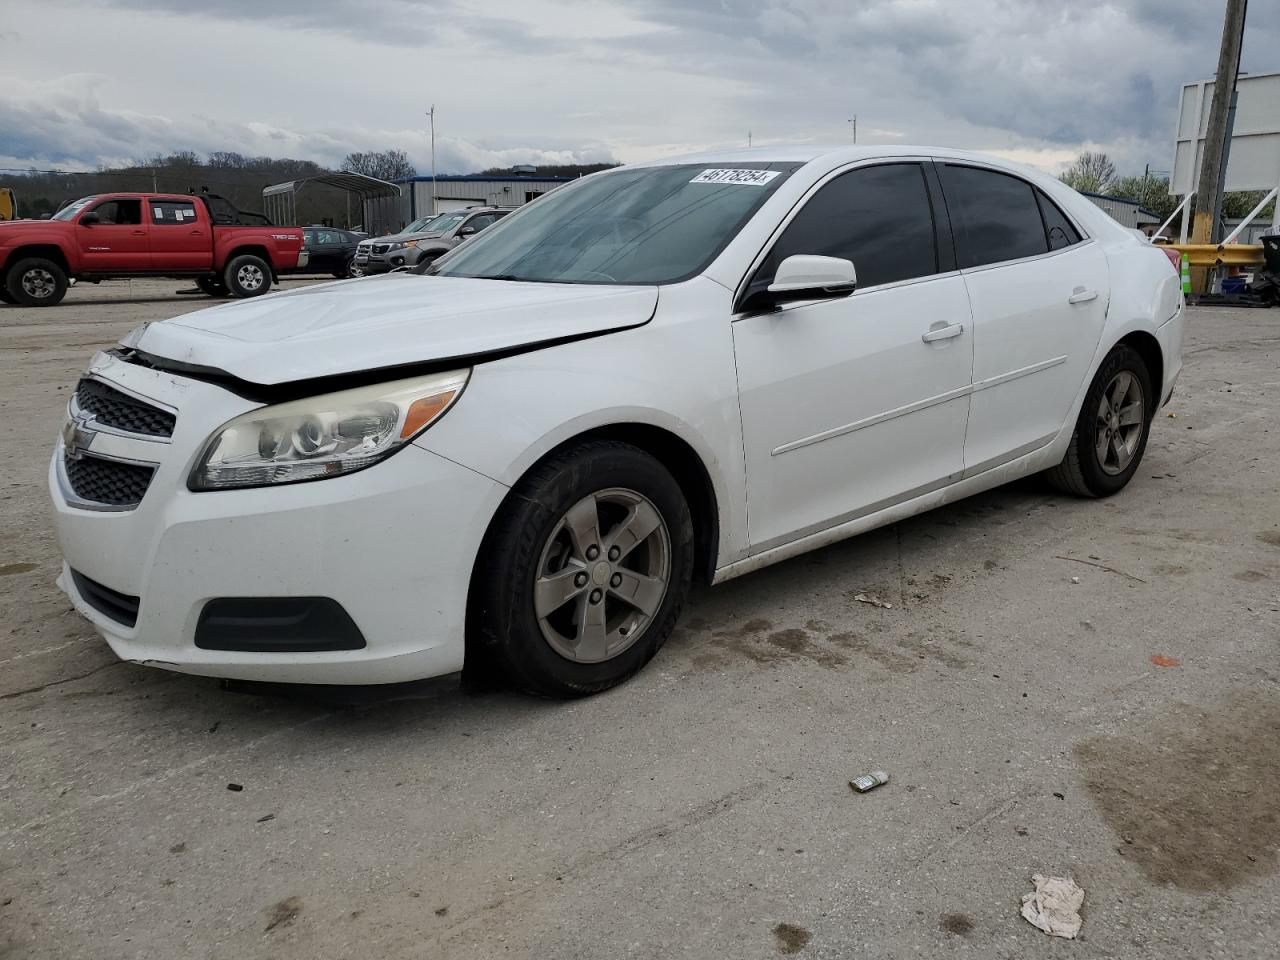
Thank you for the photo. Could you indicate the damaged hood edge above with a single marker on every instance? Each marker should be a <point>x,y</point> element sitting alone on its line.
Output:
<point>355,327</point>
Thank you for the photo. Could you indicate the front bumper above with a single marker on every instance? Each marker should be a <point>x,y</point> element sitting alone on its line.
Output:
<point>385,262</point>
<point>393,545</point>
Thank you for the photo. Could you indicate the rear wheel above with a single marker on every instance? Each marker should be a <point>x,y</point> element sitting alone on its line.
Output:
<point>247,276</point>
<point>584,572</point>
<point>5,295</point>
<point>36,282</point>
<point>1111,432</point>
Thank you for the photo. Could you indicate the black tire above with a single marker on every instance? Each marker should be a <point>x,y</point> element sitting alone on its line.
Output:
<point>247,276</point>
<point>213,287</point>
<point>506,635</point>
<point>5,295</point>
<point>345,271</point>
<point>36,282</point>
<point>1082,471</point>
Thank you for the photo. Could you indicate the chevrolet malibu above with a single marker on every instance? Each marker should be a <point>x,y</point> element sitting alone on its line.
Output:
<point>520,458</point>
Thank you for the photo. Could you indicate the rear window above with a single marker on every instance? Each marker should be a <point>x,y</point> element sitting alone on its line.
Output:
<point>173,212</point>
<point>996,217</point>
<point>1060,231</point>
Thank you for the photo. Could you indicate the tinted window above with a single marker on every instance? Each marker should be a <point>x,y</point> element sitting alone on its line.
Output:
<point>995,216</point>
<point>1057,227</point>
<point>119,211</point>
<point>173,212</point>
<point>878,217</point>
<point>479,223</point>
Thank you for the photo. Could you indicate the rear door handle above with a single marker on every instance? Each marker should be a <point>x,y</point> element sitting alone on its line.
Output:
<point>139,233</point>
<point>943,333</point>
<point>1081,295</point>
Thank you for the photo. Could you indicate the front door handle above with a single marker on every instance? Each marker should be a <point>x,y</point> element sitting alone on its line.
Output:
<point>139,233</point>
<point>943,333</point>
<point>1081,295</point>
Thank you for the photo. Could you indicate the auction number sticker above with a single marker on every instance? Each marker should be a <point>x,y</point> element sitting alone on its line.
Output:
<point>746,178</point>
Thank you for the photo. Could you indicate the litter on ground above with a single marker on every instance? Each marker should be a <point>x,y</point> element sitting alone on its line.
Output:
<point>1054,906</point>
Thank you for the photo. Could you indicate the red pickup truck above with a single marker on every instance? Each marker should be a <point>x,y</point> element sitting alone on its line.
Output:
<point>114,235</point>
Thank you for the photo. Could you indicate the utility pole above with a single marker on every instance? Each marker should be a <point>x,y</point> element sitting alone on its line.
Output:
<point>854,125</point>
<point>432,114</point>
<point>1212,168</point>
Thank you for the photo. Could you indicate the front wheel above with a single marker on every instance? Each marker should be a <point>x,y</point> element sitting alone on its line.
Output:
<point>36,282</point>
<point>1111,432</point>
<point>584,572</point>
<point>247,276</point>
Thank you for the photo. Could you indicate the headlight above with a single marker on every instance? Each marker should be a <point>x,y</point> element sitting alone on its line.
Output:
<point>323,436</point>
<point>403,244</point>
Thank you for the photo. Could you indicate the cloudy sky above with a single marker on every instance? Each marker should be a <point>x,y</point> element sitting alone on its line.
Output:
<point>85,83</point>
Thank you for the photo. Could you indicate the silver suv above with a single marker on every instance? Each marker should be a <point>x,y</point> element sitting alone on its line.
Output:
<point>424,239</point>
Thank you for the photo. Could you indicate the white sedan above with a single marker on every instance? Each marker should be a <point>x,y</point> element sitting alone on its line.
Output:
<point>521,458</point>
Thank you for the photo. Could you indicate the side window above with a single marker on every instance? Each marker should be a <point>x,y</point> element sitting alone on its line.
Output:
<point>878,217</point>
<point>119,212</point>
<point>173,212</point>
<point>996,216</point>
<point>326,237</point>
<point>479,223</point>
<point>1057,227</point>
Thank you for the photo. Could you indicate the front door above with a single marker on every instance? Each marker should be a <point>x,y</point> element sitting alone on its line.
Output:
<point>117,240</point>
<point>850,405</point>
<point>1039,292</point>
<point>180,238</point>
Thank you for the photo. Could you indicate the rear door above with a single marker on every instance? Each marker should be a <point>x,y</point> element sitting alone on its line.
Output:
<point>181,238</point>
<point>850,405</point>
<point>1039,289</point>
<point>117,242</point>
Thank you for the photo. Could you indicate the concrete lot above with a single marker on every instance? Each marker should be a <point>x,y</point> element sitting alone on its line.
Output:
<point>704,805</point>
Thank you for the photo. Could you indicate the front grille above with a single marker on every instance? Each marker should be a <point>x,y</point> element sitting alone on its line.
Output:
<point>120,607</point>
<point>106,481</point>
<point>111,408</point>
<point>381,247</point>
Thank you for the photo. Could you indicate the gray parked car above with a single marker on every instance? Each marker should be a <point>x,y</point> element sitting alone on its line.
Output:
<point>423,240</point>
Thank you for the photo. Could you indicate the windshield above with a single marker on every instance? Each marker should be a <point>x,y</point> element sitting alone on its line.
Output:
<point>446,221</point>
<point>643,226</point>
<point>71,209</point>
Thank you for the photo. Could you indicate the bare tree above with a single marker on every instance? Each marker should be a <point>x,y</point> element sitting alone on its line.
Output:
<point>382,164</point>
<point>1092,173</point>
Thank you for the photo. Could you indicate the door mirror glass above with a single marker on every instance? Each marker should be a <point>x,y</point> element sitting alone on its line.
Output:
<point>467,231</point>
<point>803,277</point>
<point>89,219</point>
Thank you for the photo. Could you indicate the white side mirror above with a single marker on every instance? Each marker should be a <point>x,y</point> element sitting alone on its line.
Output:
<point>811,278</point>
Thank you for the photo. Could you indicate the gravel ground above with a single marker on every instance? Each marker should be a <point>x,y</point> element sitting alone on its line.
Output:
<point>1124,730</point>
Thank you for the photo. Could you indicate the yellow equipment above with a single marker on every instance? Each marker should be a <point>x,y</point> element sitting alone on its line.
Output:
<point>8,204</point>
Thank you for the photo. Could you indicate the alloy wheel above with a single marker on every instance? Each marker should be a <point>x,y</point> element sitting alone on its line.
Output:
<point>602,575</point>
<point>38,283</point>
<point>1120,420</point>
<point>249,277</point>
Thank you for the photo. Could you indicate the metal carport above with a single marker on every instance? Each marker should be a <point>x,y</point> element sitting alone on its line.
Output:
<point>379,200</point>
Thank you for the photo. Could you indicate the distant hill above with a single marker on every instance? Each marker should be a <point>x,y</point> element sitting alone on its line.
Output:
<point>237,177</point>
<point>551,170</point>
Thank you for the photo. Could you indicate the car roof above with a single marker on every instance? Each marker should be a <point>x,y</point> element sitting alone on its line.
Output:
<point>834,154</point>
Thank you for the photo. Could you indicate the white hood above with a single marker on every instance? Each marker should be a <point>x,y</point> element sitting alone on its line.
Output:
<point>387,321</point>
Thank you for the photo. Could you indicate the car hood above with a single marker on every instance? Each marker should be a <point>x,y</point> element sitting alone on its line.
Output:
<point>354,326</point>
<point>397,237</point>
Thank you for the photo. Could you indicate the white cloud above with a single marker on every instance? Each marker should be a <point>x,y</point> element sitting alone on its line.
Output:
<point>598,79</point>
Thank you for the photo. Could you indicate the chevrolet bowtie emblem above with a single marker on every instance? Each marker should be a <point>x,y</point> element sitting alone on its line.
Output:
<point>76,438</point>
